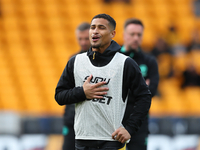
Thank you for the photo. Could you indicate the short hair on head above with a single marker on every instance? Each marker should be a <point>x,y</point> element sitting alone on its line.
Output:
<point>107,17</point>
<point>83,26</point>
<point>133,21</point>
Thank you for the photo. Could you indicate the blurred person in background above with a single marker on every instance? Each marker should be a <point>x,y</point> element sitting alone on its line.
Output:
<point>190,76</point>
<point>196,6</point>
<point>82,35</point>
<point>172,37</point>
<point>133,33</point>
<point>195,41</point>
<point>161,47</point>
<point>173,40</point>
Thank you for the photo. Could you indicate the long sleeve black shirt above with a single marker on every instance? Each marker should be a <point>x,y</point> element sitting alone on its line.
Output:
<point>67,93</point>
<point>148,66</point>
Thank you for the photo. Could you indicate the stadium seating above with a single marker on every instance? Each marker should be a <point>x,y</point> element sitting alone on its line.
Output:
<point>37,39</point>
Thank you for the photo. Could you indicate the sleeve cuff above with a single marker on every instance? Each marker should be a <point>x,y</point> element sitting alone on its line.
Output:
<point>82,93</point>
<point>131,130</point>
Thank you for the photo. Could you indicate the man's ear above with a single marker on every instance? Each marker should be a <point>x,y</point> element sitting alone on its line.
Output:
<point>113,34</point>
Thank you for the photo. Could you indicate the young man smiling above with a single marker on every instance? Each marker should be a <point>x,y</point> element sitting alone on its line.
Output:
<point>98,81</point>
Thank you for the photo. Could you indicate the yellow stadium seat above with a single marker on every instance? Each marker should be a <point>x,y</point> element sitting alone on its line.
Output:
<point>175,103</point>
<point>9,98</point>
<point>195,58</point>
<point>140,11</point>
<point>192,96</point>
<point>139,2</point>
<point>161,10</point>
<point>180,63</point>
<point>157,108</point>
<point>164,64</point>
<point>54,142</point>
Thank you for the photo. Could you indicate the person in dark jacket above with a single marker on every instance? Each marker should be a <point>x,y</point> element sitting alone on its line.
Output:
<point>98,82</point>
<point>133,32</point>
<point>82,35</point>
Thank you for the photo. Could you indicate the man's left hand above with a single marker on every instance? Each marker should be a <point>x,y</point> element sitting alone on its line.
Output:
<point>121,135</point>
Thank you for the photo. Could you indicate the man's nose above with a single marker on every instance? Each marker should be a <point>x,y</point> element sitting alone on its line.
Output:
<point>96,30</point>
<point>136,37</point>
<point>84,42</point>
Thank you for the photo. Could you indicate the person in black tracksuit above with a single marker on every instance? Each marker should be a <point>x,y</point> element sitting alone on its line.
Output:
<point>82,34</point>
<point>133,31</point>
<point>100,54</point>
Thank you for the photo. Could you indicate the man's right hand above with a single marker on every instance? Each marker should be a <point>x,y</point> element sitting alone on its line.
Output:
<point>94,90</point>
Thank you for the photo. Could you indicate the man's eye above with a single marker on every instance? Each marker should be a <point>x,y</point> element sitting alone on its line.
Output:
<point>102,27</point>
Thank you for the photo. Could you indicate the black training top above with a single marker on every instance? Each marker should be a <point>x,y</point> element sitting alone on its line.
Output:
<point>148,66</point>
<point>66,92</point>
<point>149,70</point>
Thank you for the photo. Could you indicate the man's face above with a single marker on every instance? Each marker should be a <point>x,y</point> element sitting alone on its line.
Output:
<point>83,39</point>
<point>100,33</point>
<point>133,34</point>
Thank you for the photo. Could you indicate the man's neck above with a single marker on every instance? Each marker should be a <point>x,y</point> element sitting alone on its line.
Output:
<point>100,49</point>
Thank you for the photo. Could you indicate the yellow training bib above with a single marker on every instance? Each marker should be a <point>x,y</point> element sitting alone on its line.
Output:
<point>123,148</point>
